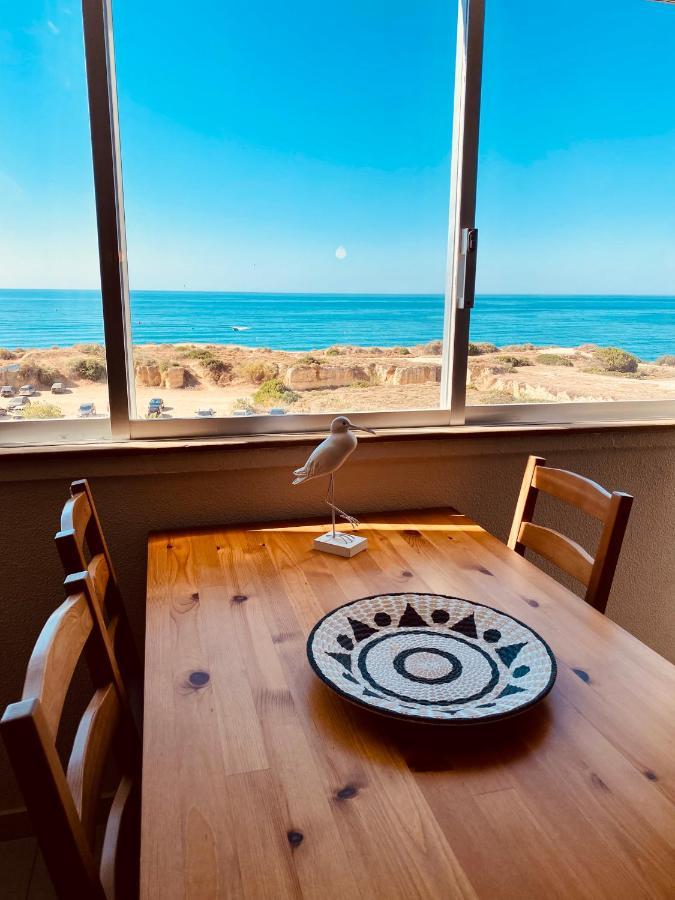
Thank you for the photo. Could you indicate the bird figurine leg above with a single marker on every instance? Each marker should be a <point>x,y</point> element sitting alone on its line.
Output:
<point>330,497</point>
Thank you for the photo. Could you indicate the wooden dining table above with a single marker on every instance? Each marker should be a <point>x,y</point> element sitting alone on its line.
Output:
<point>259,781</point>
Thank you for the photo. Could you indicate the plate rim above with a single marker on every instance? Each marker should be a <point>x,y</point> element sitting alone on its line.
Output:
<point>407,717</point>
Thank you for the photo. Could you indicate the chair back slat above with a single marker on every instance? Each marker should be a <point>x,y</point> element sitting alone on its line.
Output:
<point>559,550</point>
<point>63,806</point>
<point>55,656</point>
<point>90,753</point>
<point>99,575</point>
<point>595,573</point>
<point>82,546</point>
<point>574,489</point>
<point>66,851</point>
<point>122,831</point>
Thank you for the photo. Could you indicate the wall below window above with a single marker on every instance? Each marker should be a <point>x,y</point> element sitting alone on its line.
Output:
<point>480,475</point>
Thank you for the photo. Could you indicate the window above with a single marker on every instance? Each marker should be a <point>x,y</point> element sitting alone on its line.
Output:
<point>576,191</point>
<point>286,198</point>
<point>52,360</point>
<point>277,251</point>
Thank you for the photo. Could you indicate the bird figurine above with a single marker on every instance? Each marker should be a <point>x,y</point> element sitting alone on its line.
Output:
<point>326,459</point>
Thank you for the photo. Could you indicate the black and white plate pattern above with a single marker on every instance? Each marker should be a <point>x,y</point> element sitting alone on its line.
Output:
<point>431,657</point>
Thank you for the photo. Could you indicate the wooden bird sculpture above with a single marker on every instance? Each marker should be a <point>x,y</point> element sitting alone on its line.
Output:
<point>328,457</point>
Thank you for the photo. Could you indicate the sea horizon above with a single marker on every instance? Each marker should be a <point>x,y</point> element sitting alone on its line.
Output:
<point>38,318</point>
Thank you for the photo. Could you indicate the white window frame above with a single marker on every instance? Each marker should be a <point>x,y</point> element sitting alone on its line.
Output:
<point>107,164</point>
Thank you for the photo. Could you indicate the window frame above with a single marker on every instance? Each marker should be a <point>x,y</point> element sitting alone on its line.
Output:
<point>452,409</point>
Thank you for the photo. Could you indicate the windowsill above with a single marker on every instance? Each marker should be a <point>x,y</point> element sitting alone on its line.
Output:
<point>240,442</point>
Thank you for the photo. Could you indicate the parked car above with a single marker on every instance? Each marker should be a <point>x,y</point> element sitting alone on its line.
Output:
<point>3,411</point>
<point>86,409</point>
<point>58,388</point>
<point>27,390</point>
<point>156,405</point>
<point>277,411</point>
<point>204,412</point>
<point>6,391</point>
<point>18,402</point>
<point>242,412</point>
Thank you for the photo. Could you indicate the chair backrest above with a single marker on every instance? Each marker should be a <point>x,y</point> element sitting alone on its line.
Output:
<point>595,573</point>
<point>82,547</point>
<point>63,804</point>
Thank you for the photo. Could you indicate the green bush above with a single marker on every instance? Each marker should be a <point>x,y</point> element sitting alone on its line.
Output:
<point>6,354</point>
<point>400,351</point>
<point>274,391</point>
<point>553,359</point>
<point>611,359</point>
<point>201,353</point>
<point>88,369</point>
<point>333,351</point>
<point>309,360</point>
<point>259,372</point>
<point>41,410</point>
<point>216,368</point>
<point>667,360</point>
<point>481,348</point>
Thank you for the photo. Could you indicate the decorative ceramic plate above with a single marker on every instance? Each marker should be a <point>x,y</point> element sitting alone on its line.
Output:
<point>430,657</point>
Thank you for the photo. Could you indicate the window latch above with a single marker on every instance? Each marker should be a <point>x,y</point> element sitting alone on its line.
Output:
<point>466,281</point>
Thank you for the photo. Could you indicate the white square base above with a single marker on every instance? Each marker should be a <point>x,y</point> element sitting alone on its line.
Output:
<point>343,544</point>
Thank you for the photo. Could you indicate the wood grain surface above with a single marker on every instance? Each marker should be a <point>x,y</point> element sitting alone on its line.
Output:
<point>258,781</point>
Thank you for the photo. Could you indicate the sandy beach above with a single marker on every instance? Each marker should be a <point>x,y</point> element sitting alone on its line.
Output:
<point>229,378</point>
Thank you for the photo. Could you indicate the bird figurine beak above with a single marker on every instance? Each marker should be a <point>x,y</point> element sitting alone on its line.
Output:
<point>360,428</point>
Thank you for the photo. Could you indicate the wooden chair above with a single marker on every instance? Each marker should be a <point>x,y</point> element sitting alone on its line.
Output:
<point>62,804</point>
<point>611,509</point>
<point>82,547</point>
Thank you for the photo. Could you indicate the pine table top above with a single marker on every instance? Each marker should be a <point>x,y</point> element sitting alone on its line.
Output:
<point>258,781</point>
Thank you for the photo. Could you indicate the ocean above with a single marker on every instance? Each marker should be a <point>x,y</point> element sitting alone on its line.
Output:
<point>45,318</point>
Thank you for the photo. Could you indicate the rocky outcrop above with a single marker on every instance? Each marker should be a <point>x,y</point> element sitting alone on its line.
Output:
<point>174,377</point>
<point>312,378</point>
<point>148,376</point>
<point>420,374</point>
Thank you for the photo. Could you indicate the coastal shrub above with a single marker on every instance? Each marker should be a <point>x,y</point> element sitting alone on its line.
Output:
<point>259,372</point>
<point>612,359</point>
<point>201,353</point>
<point>216,368</point>
<point>91,349</point>
<point>515,348</point>
<point>244,404</point>
<point>400,351</point>
<point>333,351</point>
<point>514,361</point>
<point>481,348</point>
<point>361,384</point>
<point>274,391</point>
<point>667,360</point>
<point>88,369</point>
<point>6,354</point>
<point>41,410</point>
<point>553,359</point>
<point>433,348</point>
<point>309,360</point>
<point>33,372</point>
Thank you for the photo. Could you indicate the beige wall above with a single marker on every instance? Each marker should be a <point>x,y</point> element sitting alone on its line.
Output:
<point>480,475</point>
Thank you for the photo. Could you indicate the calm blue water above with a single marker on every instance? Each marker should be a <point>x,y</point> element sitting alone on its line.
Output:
<point>42,318</point>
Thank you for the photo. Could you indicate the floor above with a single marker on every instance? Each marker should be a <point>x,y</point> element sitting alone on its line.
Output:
<point>23,875</point>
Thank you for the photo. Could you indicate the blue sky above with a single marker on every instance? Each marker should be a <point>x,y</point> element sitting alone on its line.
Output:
<point>259,137</point>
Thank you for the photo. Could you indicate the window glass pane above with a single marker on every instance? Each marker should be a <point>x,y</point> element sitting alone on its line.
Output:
<point>576,201</point>
<point>286,180</point>
<point>52,362</point>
